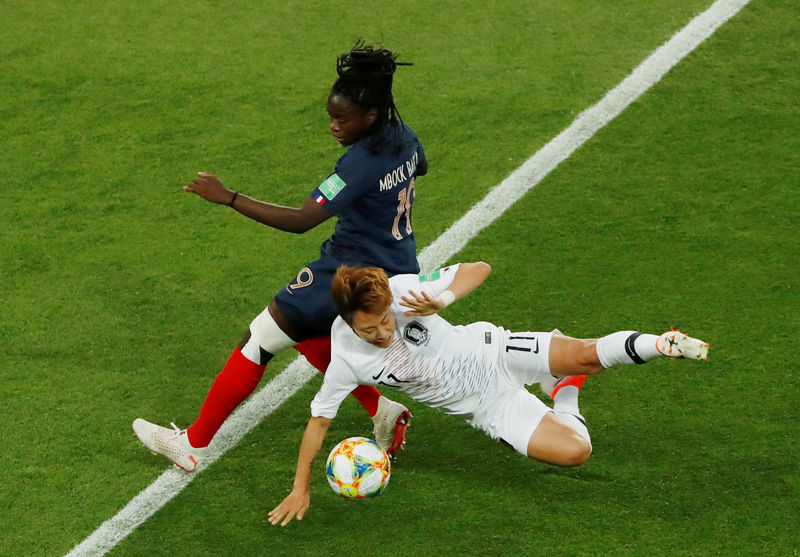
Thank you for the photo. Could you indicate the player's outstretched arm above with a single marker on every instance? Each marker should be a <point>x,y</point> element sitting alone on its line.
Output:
<point>297,502</point>
<point>289,219</point>
<point>468,277</point>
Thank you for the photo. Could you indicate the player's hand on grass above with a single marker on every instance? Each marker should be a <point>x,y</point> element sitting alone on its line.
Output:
<point>421,304</point>
<point>210,188</point>
<point>295,505</point>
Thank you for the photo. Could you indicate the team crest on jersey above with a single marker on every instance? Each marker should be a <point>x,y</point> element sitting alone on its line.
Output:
<point>416,334</point>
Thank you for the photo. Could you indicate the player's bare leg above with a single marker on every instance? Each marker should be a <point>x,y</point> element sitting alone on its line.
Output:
<point>562,437</point>
<point>571,356</point>
<point>237,381</point>
<point>556,443</point>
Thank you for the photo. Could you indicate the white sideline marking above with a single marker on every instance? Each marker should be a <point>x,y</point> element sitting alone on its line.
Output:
<point>589,122</point>
<point>496,202</point>
<point>172,481</point>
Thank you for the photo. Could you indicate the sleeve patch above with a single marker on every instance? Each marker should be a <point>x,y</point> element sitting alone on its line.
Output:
<point>332,186</point>
<point>431,276</point>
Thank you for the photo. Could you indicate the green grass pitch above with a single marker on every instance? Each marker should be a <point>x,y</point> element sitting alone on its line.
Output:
<point>122,296</point>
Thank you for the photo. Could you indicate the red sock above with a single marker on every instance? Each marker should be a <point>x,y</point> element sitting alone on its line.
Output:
<point>236,382</point>
<point>368,396</point>
<point>318,353</point>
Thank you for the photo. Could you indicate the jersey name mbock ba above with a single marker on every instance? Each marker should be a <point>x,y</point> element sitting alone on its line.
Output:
<point>400,174</point>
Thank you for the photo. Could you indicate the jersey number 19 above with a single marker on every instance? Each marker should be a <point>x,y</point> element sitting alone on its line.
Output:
<point>404,198</point>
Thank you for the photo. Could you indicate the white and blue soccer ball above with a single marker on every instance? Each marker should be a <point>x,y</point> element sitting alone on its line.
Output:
<point>358,468</point>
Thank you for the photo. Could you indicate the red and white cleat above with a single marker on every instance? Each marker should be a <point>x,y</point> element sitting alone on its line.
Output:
<point>400,426</point>
<point>391,422</point>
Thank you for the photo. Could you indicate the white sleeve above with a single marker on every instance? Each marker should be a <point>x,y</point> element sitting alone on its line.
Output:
<point>338,383</point>
<point>432,284</point>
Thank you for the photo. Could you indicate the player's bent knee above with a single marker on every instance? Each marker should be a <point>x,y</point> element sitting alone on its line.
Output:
<point>575,452</point>
<point>557,444</point>
<point>572,451</point>
<point>267,335</point>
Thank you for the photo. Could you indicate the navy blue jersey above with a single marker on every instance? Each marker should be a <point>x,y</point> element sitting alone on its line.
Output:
<point>371,192</point>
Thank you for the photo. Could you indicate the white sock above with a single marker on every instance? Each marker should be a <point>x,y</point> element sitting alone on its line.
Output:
<point>645,346</point>
<point>565,408</point>
<point>566,400</point>
<point>626,347</point>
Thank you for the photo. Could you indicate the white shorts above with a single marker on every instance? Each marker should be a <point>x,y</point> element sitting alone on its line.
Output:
<point>508,411</point>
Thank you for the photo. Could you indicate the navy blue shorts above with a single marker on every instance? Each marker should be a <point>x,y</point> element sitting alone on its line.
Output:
<point>306,302</point>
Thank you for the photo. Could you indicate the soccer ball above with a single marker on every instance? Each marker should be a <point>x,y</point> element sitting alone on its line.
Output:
<point>358,468</point>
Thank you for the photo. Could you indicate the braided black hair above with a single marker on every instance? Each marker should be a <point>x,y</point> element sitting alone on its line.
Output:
<point>365,79</point>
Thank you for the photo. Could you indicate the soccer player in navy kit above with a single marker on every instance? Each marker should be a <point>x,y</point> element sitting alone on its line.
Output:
<point>372,193</point>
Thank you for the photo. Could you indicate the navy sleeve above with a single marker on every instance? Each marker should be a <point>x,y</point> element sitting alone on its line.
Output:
<point>349,182</point>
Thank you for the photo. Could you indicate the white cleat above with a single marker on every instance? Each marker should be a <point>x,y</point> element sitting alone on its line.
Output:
<point>391,422</point>
<point>675,344</point>
<point>171,443</point>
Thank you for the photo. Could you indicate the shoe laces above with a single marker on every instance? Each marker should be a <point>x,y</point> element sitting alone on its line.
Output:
<point>177,432</point>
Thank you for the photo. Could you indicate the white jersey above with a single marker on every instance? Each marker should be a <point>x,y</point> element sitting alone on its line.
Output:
<point>444,366</point>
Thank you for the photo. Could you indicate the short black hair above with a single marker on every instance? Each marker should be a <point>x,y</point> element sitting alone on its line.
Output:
<point>365,79</point>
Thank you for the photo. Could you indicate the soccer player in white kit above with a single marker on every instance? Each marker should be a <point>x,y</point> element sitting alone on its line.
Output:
<point>388,333</point>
